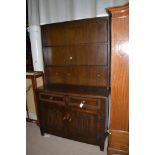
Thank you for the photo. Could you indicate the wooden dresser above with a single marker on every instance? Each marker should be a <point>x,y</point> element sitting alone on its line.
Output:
<point>74,101</point>
<point>118,140</point>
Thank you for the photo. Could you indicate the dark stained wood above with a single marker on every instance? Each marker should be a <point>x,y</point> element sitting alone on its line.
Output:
<point>74,100</point>
<point>94,54</point>
<point>71,44</point>
<point>51,118</point>
<point>119,109</point>
<point>76,32</point>
<point>97,92</point>
<point>85,125</point>
<point>77,75</point>
<point>93,50</point>
<point>61,113</point>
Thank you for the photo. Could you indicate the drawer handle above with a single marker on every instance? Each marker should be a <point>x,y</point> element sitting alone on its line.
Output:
<point>69,120</point>
<point>64,118</point>
<point>70,58</point>
<point>98,75</point>
<point>51,98</point>
<point>82,104</point>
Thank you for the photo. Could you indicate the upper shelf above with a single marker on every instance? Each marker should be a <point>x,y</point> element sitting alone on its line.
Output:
<point>76,32</point>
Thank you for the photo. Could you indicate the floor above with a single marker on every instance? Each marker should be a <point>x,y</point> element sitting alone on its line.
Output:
<point>53,145</point>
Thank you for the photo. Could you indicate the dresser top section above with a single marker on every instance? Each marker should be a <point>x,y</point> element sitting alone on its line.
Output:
<point>77,53</point>
<point>87,91</point>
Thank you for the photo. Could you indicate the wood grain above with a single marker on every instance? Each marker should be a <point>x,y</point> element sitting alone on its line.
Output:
<point>76,32</point>
<point>119,71</point>
<point>119,107</point>
<point>61,115</point>
<point>77,66</point>
<point>80,56</point>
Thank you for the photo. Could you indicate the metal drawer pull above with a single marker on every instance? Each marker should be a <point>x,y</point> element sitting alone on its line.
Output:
<point>70,58</point>
<point>82,104</point>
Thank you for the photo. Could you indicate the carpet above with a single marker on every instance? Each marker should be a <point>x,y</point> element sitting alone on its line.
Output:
<point>53,145</point>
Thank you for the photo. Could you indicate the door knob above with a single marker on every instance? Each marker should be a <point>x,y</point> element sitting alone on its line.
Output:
<point>70,58</point>
<point>51,98</point>
<point>64,118</point>
<point>69,119</point>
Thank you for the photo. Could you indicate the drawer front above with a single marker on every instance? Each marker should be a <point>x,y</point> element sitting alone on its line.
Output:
<point>52,98</point>
<point>84,103</point>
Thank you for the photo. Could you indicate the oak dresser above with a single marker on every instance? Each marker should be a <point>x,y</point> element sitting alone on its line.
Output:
<point>74,101</point>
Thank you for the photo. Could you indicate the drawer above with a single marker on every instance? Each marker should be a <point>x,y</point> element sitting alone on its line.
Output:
<point>52,98</point>
<point>84,103</point>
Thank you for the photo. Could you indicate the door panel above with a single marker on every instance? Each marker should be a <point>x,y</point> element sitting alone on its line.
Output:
<point>51,118</point>
<point>83,127</point>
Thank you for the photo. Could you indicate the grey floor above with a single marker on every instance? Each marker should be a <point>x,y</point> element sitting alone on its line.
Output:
<point>53,145</point>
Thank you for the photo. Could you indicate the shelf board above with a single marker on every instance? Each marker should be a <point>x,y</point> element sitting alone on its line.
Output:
<point>75,90</point>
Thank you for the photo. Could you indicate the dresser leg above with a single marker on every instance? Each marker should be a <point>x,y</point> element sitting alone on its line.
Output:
<point>101,147</point>
<point>42,132</point>
<point>102,143</point>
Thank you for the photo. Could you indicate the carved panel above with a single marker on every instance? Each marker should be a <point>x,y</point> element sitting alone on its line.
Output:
<point>85,125</point>
<point>52,118</point>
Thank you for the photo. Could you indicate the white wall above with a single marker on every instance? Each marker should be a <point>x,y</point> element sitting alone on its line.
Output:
<point>52,11</point>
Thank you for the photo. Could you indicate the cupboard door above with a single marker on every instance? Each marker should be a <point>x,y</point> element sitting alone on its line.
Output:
<point>82,127</point>
<point>52,118</point>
